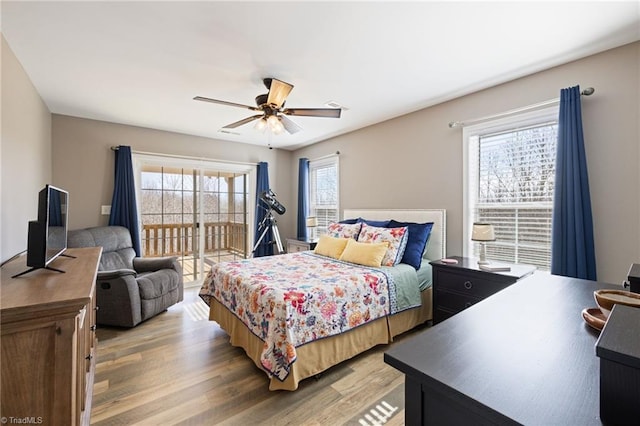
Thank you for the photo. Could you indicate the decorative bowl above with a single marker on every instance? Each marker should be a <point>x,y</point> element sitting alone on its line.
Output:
<point>594,317</point>
<point>607,298</point>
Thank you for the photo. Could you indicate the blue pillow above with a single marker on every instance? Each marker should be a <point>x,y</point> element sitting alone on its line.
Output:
<point>349,221</point>
<point>378,223</point>
<point>416,242</point>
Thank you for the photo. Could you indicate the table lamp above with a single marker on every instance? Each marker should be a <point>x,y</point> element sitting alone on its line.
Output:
<point>312,222</point>
<point>483,232</point>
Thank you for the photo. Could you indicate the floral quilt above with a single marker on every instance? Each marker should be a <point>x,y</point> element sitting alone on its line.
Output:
<point>293,299</point>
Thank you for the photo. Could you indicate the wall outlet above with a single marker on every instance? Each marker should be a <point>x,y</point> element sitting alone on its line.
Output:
<point>106,210</point>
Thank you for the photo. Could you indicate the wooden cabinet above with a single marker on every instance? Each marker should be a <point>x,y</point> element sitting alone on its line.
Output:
<point>48,340</point>
<point>294,245</point>
<point>459,286</point>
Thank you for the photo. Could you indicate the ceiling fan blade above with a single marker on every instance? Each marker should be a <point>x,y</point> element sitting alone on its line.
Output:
<point>243,121</point>
<point>278,92</point>
<point>216,101</point>
<point>314,112</point>
<point>289,125</point>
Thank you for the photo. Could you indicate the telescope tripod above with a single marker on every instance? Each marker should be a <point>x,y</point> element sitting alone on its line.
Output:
<point>269,223</point>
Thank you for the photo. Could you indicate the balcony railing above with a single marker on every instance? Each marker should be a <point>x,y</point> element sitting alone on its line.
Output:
<point>178,239</point>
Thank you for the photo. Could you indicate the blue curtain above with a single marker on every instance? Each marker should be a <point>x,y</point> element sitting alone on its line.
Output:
<point>303,197</point>
<point>265,248</point>
<point>124,211</point>
<point>572,245</point>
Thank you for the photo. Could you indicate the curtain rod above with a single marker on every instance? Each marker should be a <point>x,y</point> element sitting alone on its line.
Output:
<point>586,92</point>
<point>186,157</point>
<point>325,156</point>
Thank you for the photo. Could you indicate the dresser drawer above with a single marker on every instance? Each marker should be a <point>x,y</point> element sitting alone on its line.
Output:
<point>471,284</point>
<point>455,302</point>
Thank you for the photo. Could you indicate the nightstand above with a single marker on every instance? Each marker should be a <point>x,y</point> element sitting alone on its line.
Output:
<point>295,245</point>
<point>460,285</point>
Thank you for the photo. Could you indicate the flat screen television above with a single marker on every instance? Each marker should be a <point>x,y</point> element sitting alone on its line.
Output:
<point>47,238</point>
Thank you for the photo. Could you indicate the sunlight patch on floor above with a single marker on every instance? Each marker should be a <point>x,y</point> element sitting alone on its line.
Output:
<point>197,310</point>
<point>379,414</point>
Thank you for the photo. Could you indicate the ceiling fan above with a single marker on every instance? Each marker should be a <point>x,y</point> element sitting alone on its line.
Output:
<point>273,114</point>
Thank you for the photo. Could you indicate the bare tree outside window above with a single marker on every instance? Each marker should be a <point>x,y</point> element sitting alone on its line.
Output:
<point>187,212</point>
<point>323,188</point>
<point>514,192</point>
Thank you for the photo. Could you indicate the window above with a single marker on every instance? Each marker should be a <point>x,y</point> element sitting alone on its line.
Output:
<point>323,192</point>
<point>510,167</point>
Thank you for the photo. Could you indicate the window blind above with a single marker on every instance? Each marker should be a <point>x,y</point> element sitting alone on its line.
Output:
<point>323,188</point>
<point>514,192</point>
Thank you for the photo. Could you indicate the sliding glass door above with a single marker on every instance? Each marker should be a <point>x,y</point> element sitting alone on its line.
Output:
<point>198,214</point>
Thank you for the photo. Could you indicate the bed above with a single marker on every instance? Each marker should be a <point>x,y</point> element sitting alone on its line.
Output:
<point>291,345</point>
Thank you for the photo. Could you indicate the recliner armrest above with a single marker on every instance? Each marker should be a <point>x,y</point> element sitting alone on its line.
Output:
<point>118,296</point>
<point>117,273</point>
<point>151,264</point>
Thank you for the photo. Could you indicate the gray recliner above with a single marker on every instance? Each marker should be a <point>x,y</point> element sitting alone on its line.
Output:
<point>129,289</point>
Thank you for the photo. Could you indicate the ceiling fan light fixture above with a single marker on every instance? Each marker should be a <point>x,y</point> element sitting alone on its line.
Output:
<point>272,120</point>
<point>275,125</point>
<point>261,125</point>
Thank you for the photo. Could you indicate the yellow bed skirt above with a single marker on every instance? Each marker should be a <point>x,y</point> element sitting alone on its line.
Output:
<point>319,355</point>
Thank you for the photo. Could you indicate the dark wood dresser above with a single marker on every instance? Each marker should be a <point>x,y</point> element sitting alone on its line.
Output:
<point>522,356</point>
<point>460,285</point>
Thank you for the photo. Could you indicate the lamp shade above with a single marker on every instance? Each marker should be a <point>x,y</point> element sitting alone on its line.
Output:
<point>260,125</point>
<point>483,232</point>
<point>312,222</point>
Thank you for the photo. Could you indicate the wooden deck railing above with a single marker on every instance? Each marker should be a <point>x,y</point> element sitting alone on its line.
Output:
<point>177,239</point>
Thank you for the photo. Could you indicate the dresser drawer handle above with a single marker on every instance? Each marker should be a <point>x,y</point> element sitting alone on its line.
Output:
<point>468,285</point>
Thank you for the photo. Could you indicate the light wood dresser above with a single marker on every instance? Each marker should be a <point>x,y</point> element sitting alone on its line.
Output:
<point>48,340</point>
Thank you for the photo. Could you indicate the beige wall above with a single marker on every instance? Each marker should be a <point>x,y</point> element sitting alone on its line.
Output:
<point>25,154</point>
<point>84,162</point>
<point>415,161</point>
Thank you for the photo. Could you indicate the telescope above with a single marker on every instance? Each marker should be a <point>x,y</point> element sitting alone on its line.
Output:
<point>269,222</point>
<point>269,198</point>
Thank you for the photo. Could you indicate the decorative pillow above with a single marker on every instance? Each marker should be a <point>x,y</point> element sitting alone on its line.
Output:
<point>417,241</point>
<point>349,221</point>
<point>344,230</point>
<point>330,246</point>
<point>367,254</point>
<point>379,223</point>
<point>396,237</point>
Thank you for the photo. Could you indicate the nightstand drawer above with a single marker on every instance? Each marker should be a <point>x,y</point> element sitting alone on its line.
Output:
<point>470,284</point>
<point>294,246</point>
<point>458,285</point>
<point>455,302</point>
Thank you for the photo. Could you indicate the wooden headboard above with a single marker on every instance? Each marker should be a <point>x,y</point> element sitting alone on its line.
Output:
<point>437,248</point>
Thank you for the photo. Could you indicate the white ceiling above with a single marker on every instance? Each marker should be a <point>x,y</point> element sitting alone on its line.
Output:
<point>141,63</point>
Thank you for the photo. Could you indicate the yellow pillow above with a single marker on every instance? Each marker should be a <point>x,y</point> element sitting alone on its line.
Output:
<point>331,246</point>
<point>367,254</point>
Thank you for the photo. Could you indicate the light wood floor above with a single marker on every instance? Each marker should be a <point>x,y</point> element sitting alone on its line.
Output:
<point>179,368</point>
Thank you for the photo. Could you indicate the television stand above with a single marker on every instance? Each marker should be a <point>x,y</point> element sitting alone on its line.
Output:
<point>42,311</point>
<point>40,267</point>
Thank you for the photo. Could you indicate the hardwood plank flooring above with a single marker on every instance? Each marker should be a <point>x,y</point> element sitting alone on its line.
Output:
<point>180,369</point>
